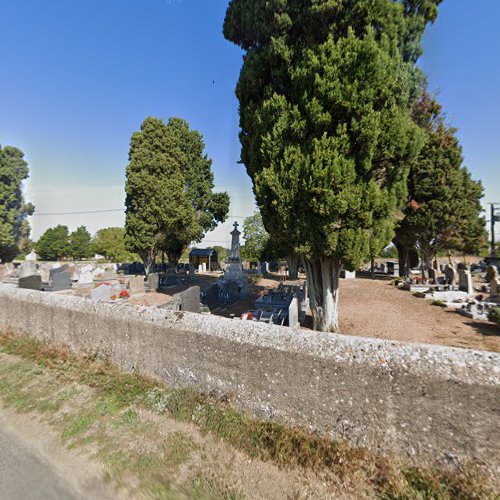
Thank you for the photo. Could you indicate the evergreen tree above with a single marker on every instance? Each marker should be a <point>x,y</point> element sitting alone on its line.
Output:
<point>81,244</point>
<point>325,93</point>
<point>444,209</point>
<point>14,228</point>
<point>170,202</point>
<point>54,244</point>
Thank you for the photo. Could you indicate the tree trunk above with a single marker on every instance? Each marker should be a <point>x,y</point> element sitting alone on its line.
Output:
<point>148,259</point>
<point>403,258</point>
<point>293,262</point>
<point>323,281</point>
<point>372,268</point>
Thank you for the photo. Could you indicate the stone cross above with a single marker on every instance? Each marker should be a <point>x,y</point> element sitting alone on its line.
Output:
<point>234,253</point>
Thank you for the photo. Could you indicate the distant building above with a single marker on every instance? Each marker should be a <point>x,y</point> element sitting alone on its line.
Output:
<point>207,256</point>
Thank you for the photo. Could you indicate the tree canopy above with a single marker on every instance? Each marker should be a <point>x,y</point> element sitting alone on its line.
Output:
<point>54,244</point>
<point>326,92</point>
<point>80,243</point>
<point>256,238</point>
<point>444,210</point>
<point>14,228</point>
<point>170,200</point>
<point>110,243</point>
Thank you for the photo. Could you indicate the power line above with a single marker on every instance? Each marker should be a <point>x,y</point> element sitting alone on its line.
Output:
<point>107,211</point>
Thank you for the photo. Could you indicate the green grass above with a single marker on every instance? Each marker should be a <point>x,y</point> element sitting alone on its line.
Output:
<point>112,408</point>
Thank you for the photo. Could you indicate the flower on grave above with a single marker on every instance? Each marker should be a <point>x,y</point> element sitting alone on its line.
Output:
<point>124,294</point>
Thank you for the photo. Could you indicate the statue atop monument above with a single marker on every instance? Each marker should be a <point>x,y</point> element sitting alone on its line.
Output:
<point>234,253</point>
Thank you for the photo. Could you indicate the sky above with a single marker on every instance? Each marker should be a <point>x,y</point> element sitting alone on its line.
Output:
<point>79,77</point>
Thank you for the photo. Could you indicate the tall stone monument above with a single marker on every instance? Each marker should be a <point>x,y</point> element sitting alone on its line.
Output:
<point>233,275</point>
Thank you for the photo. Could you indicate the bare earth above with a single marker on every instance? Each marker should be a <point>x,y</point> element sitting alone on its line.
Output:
<point>371,308</point>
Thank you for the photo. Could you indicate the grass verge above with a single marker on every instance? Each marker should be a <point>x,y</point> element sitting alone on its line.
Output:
<point>93,404</point>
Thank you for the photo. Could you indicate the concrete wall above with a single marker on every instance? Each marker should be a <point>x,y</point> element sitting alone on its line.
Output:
<point>423,401</point>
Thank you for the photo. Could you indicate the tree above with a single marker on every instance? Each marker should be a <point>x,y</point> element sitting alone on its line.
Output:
<point>170,200</point>
<point>256,238</point>
<point>444,210</point>
<point>80,244</point>
<point>54,243</point>
<point>110,243</point>
<point>14,228</point>
<point>325,96</point>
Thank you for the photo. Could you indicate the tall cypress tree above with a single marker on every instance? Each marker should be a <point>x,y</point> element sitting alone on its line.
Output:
<point>13,209</point>
<point>170,201</point>
<point>325,94</point>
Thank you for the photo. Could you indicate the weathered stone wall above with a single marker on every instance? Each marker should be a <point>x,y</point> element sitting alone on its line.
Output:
<point>424,401</point>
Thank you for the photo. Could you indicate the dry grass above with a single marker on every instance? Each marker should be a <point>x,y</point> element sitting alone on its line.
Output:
<point>93,404</point>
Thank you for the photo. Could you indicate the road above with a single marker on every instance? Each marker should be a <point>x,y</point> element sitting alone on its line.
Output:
<point>25,475</point>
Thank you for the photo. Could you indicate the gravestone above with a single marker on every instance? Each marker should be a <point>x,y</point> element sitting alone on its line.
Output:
<point>492,274</point>
<point>451,274</point>
<point>33,282</point>
<point>293,313</point>
<point>61,281</point>
<point>212,296</point>
<point>85,278</point>
<point>102,292</point>
<point>347,275</point>
<point>3,272</point>
<point>28,268</point>
<point>154,282</point>
<point>190,300</point>
<point>171,277</point>
<point>465,281</point>
<point>98,273</point>
<point>136,285</point>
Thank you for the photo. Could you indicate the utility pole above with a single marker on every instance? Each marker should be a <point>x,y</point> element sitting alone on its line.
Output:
<point>494,218</point>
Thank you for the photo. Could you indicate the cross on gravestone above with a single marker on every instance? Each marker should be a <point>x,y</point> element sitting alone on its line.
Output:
<point>33,282</point>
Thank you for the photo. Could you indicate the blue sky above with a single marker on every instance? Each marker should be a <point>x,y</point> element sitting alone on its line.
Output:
<point>79,77</point>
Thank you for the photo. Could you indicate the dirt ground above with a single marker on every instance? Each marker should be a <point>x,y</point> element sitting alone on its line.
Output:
<point>371,308</point>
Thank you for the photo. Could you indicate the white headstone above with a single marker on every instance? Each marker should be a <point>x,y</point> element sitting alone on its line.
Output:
<point>102,292</point>
<point>32,256</point>
<point>293,313</point>
<point>28,268</point>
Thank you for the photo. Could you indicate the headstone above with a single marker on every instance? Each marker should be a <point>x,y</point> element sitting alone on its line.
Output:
<point>451,274</point>
<point>154,282</point>
<point>102,292</point>
<point>61,281</point>
<point>87,269</point>
<point>98,273</point>
<point>190,300</point>
<point>492,274</point>
<point>293,313</point>
<point>85,278</point>
<point>33,282</point>
<point>347,275</point>
<point>57,270</point>
<point>171,277</point>
<point>28,268</point>
<point>465,281</point>
<point>3,271</point>
<point>32,256</point>
<point>200,268</point>
<point>212,296</point>
<point>136,285</point>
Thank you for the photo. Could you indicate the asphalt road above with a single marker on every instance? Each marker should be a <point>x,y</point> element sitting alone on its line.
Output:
<point>26,476</point>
